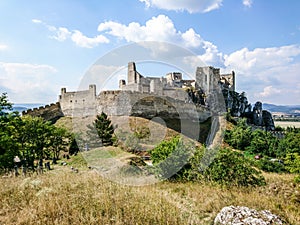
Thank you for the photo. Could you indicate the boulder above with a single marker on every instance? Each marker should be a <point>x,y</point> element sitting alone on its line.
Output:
<point>241,215</point>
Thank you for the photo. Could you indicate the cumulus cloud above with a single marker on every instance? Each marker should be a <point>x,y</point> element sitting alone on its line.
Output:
<point>62,34</point>
<point>270,74</point>
<point>268,91</point>
<point>260,59</point>
<point>160,28</point>
<point>191,6</point>
<point>247,3</point>
<point>83,41</point>
<point>23,81</point>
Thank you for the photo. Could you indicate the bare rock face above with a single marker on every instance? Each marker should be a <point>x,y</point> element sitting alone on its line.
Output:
<point>240,215</point>
<point>268,121</point>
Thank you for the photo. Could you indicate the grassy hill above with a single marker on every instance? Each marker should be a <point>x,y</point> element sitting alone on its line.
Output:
<point>61,196</point>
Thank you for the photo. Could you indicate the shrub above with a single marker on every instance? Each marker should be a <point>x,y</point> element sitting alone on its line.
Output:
<point>267,165</point>
<point>239,136</point>
<point>222,166</point>
<point>132,143</point>
<point>230,168</point>
<point>292,162</point>
<point>170,158</point>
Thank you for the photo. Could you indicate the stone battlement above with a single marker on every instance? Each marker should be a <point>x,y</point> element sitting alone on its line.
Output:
<point>48,112</point>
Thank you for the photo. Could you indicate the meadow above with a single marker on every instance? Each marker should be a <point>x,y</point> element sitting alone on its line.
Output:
<point>61,196</point>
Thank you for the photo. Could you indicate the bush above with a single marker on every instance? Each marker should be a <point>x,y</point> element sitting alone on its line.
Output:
<point>292,162</point>
<point>170,158</point>
<point>267,165</point>
<point>230,168</point>
<point>132,143</point>
<point>222,166</point>
<point>239,136</point>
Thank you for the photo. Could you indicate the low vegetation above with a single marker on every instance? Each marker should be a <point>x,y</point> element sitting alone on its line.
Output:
<point>61,196</point>
<point>266,151</point>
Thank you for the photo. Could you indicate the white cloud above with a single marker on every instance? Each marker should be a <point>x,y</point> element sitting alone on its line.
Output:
<point>160,28</point>
<point>25,82</point>
<point>192,6</point>
<point>268,91</point>
<point>191,38</point>
<point>247,3</point>
<point>212,56</point>
<point>37,21</point>
<point>261,58</point>
<point>270,74</point>
<point>83,41</point>
<point>62,34</point>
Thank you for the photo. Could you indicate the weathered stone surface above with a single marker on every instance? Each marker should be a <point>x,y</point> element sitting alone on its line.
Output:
<point>237,103</point>
<point>268,121</point>
<point>262,117</point>
<point>49,112</point>
<point>257,114</point>
<point>241,215</point>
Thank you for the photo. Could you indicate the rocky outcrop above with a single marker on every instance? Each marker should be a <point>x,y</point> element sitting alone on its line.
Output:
<point>237,103</point>
<point>262,117</point>
<point>240,215</point>
<point>239,106</point>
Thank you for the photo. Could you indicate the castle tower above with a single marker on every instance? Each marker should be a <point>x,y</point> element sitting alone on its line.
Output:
<point>233,81</point>
<point>92,89</point>
<point>132,76</point>
<point>207,78</point>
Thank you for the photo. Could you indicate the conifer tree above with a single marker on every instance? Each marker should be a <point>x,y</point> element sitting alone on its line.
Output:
<point>101,131</point>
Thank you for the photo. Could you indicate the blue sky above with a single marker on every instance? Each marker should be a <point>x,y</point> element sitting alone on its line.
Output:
<point>49,44</point>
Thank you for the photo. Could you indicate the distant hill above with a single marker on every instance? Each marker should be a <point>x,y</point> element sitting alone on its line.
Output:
<point>286,109</point>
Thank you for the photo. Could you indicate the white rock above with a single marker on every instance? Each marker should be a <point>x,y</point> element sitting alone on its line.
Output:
<point>241,215</point>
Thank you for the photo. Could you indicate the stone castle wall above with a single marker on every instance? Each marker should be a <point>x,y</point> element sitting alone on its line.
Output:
<point>127,103</point>
<point>80,102</point>
<point>49,112</point>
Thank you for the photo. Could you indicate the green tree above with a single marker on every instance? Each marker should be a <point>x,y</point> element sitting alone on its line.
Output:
<point>28,137</point>
<point>292,162</point>
<point>9,146</point>
<point>5,105</point>
<point>74,148</point>
<point>59,140</point>
<point>240,136</point>
<point>100,133</point>
<point>263,143</point>
<point>9,140</point>
<point>289,144</point>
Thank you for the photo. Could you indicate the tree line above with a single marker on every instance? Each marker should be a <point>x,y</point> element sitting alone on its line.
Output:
<point>266,151</point>
<point>29,138</point>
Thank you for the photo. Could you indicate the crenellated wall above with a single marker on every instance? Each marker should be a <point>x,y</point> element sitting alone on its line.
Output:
<point>49,112</point>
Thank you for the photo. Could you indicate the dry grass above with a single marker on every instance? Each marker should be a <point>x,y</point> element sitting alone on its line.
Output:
<point>63,197</point>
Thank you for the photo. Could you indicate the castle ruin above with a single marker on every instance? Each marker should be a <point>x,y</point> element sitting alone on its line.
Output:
<point>171,87</point>
<point>168,96</point>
